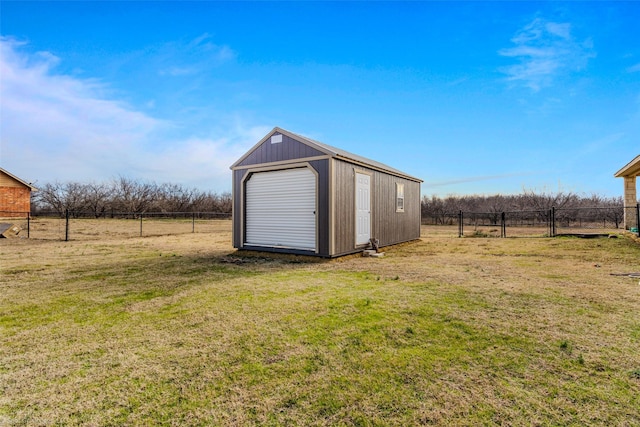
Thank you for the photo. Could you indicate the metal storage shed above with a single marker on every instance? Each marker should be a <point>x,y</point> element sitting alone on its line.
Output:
<point>295,195</point>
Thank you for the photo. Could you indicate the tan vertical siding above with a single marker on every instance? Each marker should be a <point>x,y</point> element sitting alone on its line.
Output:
<point>344,204</point>
<point>387,225</point>
<point>390,226</point>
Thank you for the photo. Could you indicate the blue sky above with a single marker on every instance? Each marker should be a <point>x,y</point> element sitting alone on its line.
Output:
<point>471,97</point>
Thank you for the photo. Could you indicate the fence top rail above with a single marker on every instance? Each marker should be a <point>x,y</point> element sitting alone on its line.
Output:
<point>591,208</point>
<point>494,213</point>
<point>531,210</point>
<point>179,213</point>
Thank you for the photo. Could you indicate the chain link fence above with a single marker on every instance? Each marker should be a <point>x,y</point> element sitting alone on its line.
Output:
<point>585,221</point>
<point>533,223</point>
<point>86,226</point>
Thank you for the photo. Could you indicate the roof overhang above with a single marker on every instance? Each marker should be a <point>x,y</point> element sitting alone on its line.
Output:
<point>23,182</point>
<point>630,169</point>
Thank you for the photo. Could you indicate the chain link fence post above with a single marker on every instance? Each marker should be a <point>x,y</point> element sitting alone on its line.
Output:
<point>66,225</point>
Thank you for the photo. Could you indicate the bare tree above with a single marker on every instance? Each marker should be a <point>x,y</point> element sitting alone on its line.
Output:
<point>132,196</point>
<point>97,198</point>
<point>225,202</point>
<point>51,197</point>
<point>175,198</point>
<point>495,205</point>
<point>62,197</point>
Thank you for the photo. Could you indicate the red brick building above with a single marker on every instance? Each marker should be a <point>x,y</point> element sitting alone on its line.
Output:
<point>15,196</point>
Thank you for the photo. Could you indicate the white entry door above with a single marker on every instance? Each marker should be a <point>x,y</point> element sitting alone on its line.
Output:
<point>281,209</point>
<point>363,208</point>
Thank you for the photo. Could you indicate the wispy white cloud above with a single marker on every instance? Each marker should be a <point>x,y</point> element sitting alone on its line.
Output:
<point>457,82</point>
<point>192,57</point>
<point>178,71</point>
<point>470,179</point>
<point>607,142</point>
<point>634,68</point>
<point>199,161</point>
<point>59,113</point>
<point>55,126</point>
<point>544,50</point>
<point>216,52</point>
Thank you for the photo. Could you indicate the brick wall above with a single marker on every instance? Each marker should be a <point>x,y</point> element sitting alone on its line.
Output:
<point>14,202</point>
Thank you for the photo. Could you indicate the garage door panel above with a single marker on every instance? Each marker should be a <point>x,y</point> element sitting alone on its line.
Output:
<point>280,209</point>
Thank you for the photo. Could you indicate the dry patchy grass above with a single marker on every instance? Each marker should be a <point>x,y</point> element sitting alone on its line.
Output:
<point>182,330</point>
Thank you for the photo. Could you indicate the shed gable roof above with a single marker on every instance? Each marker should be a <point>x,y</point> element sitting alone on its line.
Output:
<point>268,152</point>
<point>630,169</point>
<point>18,180</point>
<point>328,150</point>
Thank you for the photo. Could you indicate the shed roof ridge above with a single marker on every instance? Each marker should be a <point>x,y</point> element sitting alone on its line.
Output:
<point>340,153</point>
<point>321,145</point>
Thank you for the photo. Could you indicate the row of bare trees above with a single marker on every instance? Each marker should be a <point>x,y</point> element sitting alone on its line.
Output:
<point>527,201</point>
<point>125,195</point>
<point>570,206</point>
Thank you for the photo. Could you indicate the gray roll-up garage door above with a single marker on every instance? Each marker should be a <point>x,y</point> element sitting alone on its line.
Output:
<point>281,209</point>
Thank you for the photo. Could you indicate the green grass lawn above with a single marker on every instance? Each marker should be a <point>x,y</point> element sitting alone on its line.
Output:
<point>445,331</point>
